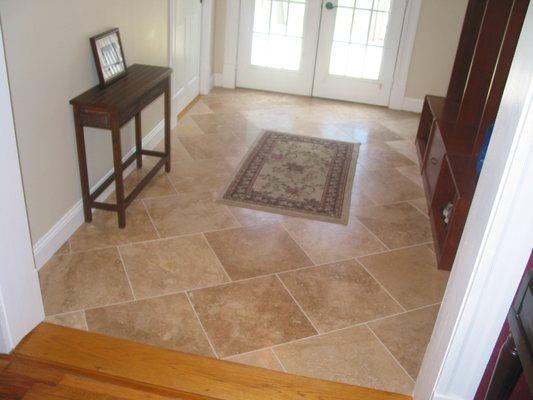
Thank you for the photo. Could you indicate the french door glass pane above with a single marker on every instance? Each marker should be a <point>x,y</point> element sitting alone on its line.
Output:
<point>278,33</point>
<point>359,38</point>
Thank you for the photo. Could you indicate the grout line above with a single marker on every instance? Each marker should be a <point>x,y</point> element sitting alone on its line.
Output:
<point>279,360</point>
<point>382,286</point>
<point>150,218</point>
<point>390,353</point>
<point>218,259</point>
<point>372,233</point>
<point>85,319</point>
<point>298,244</point>
<point>126,272</point>
<point>202,325</point>
<point>298,304</point>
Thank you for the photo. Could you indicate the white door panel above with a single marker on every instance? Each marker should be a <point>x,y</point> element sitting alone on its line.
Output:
<point>185,42</point>
<point>277,45</point>
<point>357,50</point>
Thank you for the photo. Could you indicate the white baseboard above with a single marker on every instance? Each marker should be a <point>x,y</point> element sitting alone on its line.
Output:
<point>52,240</point>
<point>218,80</point>
<point>406,104</point>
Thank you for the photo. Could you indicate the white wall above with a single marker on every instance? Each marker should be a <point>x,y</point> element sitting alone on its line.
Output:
<point>20,297</point>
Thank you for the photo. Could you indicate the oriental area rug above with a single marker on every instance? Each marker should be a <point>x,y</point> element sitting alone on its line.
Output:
<point>295,175</point>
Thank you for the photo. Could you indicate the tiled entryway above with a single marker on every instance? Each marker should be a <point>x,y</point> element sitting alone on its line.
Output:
<point>354,303</point>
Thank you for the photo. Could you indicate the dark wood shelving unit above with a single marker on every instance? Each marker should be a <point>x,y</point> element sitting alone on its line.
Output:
<point>452,128</point>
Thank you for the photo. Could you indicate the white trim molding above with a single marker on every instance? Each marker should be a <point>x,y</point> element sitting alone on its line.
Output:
<point>206,49</point>
<point>494,249</point>
<point>231,39</point>
<point>63,229</point>
<point>397,100</point>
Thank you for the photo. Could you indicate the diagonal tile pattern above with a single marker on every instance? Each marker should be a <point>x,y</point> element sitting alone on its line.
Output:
<point>352,303</point>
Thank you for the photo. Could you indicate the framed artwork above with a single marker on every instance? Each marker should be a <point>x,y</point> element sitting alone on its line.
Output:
<point>108,56</point>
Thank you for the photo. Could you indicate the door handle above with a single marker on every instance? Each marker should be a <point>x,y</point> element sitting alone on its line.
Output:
<point>330,5</point>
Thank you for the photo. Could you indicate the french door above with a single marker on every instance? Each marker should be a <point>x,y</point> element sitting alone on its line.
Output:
<point>342,49</point>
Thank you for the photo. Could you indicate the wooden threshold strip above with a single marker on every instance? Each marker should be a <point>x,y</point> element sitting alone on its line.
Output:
<point>165,369</point>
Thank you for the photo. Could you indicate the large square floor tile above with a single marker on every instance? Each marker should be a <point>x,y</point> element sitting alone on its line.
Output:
<point>75,320</point>
<point>257,250</point>
<point>249,315</point>
<point>201,175</point>
<point>76,281</point>
<point>248,217</point>
<point>353,356</point>
<point>410,275</point>
<point>261,358</point>
<point>339,295</point>
<point>377,155</point>
<point>171,265</point>
<point>103,231</point>
<point>325,242</point>
<point>213,146</point>
<point>396,225</point>
<point>407,336</point>
<point>367,131</point>
<point>167,321</point>
<point>386,186</point>
<point>188,213</point>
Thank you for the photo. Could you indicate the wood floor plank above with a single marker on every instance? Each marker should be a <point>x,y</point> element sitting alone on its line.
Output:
<point>188,373</point>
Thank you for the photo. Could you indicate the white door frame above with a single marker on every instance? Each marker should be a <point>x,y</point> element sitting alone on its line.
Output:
<point>403,62</point>
<point>21,305</point>
<point>206,46</point>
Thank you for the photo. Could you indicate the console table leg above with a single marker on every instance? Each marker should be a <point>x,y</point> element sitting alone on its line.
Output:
<point>82,163</point>
<point>119,182</point>
<point>167,125</point>
<point>138,139</point>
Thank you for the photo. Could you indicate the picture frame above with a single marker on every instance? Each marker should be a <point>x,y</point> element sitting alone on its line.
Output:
<point>108,56</point>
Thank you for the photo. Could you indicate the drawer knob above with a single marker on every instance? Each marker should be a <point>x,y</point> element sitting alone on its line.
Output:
<point>434,161</point>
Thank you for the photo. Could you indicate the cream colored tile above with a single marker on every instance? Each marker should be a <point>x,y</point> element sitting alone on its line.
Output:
<point>171,265</point>
<point>261,358</point>
<point>410,275</point>
<point>353,356</point>
<point>74,320</point>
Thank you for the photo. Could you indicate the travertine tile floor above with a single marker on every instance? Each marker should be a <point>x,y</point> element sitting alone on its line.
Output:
<point>353,303</point>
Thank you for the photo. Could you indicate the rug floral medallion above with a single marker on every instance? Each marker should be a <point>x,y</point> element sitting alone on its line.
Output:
<point>295,175</point>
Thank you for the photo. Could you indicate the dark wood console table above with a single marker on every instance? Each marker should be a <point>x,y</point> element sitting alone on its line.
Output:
<point>110,108</point>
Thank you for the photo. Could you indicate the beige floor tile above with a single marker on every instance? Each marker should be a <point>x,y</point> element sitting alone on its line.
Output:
<point>324,242</point>
<point>412,172</point>
<point>248,217</point>
<point>201,175</point>
<point>249,315</point>
<point>405,127</point>
<point>103,231</point>
<point>171,265</point>
<point>223,124</point>
<point>167,322</point>
<point>76,281</point>
<point>257,250</point>
<point>177,151</point>
<point>353,356</point>
<point>199,108</point>
<point>421,204</point>
<point>74,320</point>
<point>65,248</point>
<point>261,358</point>
<point>386,186</point>
<point>410,275</point>
<point>188,213</point>
<point>368,131</point>
<point>339,295</point>
<point>407,336</point>
<point>405,147</point>
<point>377,155</point>
<point>396,225</point>
<point>214,146</point>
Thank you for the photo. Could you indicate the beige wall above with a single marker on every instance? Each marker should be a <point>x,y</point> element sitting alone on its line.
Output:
<point>49,62</point>
<point>220,27</point>
<point>433,54</point>
<point>436,41</point>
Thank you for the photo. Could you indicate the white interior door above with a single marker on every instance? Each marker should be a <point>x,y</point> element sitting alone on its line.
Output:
<point>357,49</point>
<point>185,41</point>
<point>277,45</point>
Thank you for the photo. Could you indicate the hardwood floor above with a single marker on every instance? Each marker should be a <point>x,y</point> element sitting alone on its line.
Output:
<point>54,362</point>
